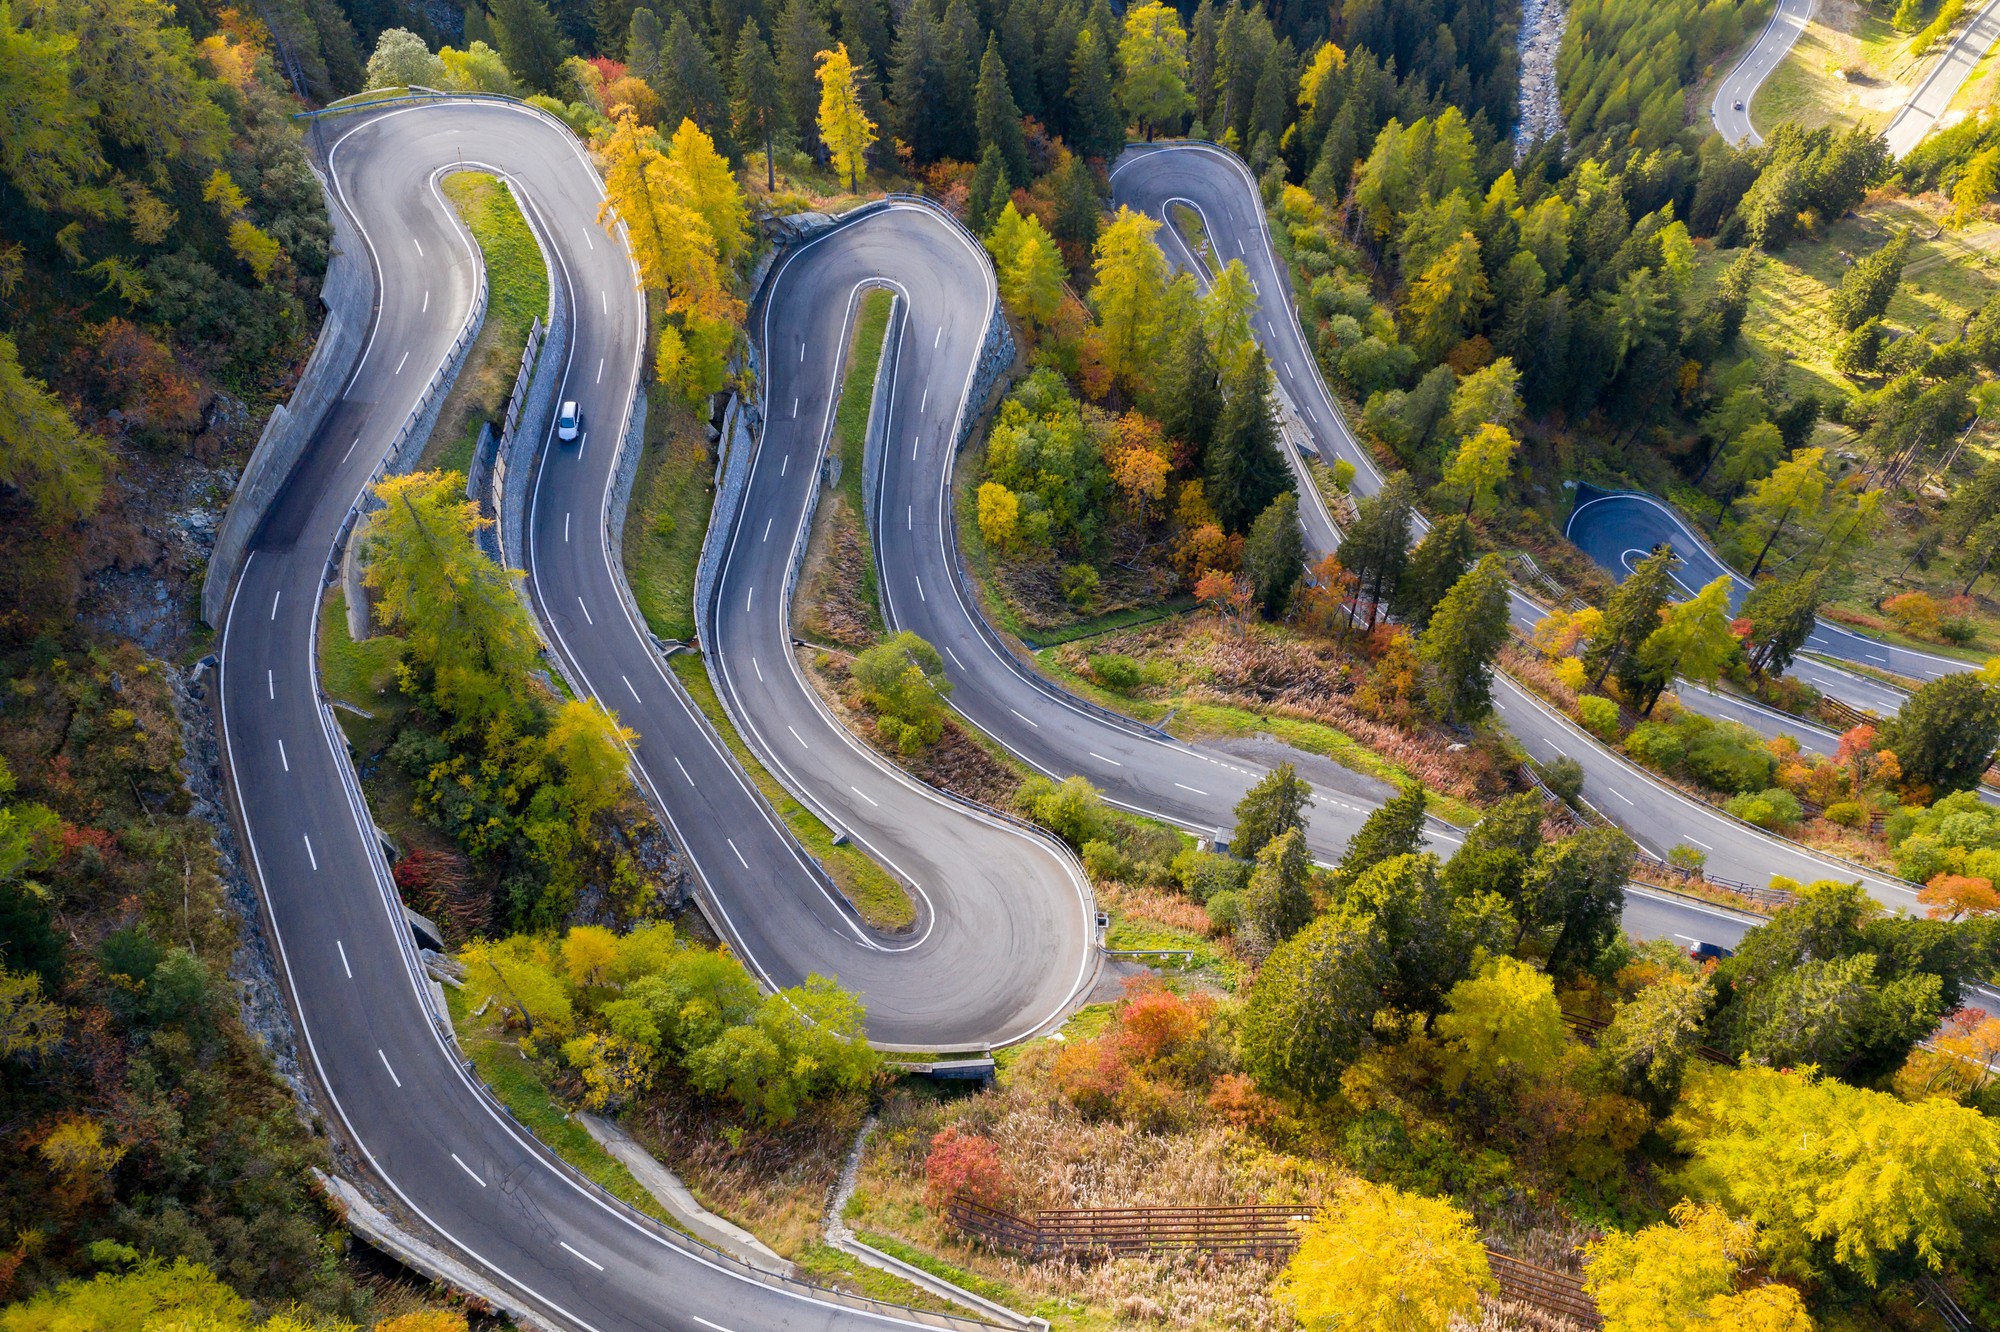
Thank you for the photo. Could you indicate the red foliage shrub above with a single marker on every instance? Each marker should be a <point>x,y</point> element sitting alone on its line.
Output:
<point>1156,1026</point>
<point>965,1163</point>
<point>1235,1098</point>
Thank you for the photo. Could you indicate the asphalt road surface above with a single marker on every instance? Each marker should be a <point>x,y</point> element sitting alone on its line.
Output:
<point>450,1157</point>
<point>1220,190</point>
<point>1932,98</point>
<point>1618,530</point>
<point>1739,88</point>
<point>1003,944</point>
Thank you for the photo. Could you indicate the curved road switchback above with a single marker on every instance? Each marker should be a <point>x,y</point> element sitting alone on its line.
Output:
<point>1619,529</point>
<point>1734,96</point>
<point>1219,188</point>
<point>570,1256</point>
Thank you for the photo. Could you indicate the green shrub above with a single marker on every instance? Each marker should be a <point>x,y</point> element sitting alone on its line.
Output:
<point>1105,861</point>
<point>1958,631</point>
<point>1224,911</point>
<point>1564,776</point>
<point>1079,585</point>
<point>1073,811</point>
<point>1343,474</point>
<point>1846,813</point>
<point>1204,875</point>
<point>1117,671</point>
<point>1691,859</point>
<point>1774,809</point>
<point>1599,716</point>
<point>1728,757</point>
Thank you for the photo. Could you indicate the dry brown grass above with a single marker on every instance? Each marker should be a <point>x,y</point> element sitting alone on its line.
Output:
<point>775,1184</point>
<point>830,606</point>
<point>1277,672</point>
<point>956,762</point>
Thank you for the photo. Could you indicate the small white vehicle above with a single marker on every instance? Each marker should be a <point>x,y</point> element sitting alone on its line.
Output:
<point>569,423</point>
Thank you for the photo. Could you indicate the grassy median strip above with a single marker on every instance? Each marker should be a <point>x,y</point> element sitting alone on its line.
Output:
<point>517,293</point>
<point>668,517</point>
<point>880,899</point>
<point>850,421</point>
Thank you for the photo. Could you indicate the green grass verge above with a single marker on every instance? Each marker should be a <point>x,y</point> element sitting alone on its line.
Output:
<point>850,421</point>
<point>512,1079</point>
<point>1111,622</point>
<point>668,517</point>
<point>938,1267</point>
<point>517,293</point>
<point>827,1264</point>
<point>363,674</point>
<point>881,900</point>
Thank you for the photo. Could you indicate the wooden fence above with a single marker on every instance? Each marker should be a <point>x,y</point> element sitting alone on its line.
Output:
<point>1255,1231</point>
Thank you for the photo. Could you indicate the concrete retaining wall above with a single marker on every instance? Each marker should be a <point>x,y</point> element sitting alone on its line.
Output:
<point>521,451</point>
<point>741,427</point>
<point>996,354</point>
<point>618,498</point>
<point>348,293</point>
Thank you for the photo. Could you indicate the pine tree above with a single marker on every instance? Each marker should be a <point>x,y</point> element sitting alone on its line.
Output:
<point>991,172</point>
<point>1437,563</point>
<point>997,117</point>
<point>643,38</point>
<point>611,20</point>
<point>1203,31</point>
<point>1312,1005</point>
<point>1274,554</point>
<point>1276,904</point>
<point>1793,492</point>
<point>1376,548</point>
<point>1275,805</point>
<point>1782,617</point>
<point>1096,125</point>
<point>845,128</point>
<point>1244,471</point>
<point>1017,47</point>
<point>1394,829</point>
<point>531,42</point>
<point>917,88</point>
<point>1632,614</point>
<point>1078,212</point>
<point>1188,397</point>
<point>42,452</point>
<point>864,26</point>
<point>1480,465</point>
<point>799,39</point>
<point>758,111</point>
<point>1465,634</point>
<point>1945,734</point>
<point>690,88</point>
<point>960,42</point>
<point>1866,287</point>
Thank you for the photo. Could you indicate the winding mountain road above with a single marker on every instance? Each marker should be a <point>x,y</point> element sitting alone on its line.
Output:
<point>1003,945</point>
<point>1730,108</point>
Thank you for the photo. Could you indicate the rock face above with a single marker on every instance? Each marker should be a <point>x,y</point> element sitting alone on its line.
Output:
<point>1542,23</point>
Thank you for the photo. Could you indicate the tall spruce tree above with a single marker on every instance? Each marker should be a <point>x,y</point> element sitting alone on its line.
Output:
<point>1274,554</point>
<point>988,180</point>
<point>1376,548</point>
<point>1276,804</point>
<point>1244,471</point>
<point>1782,617</point>
<point>1096,125</point>
<point>864,26</point>
<point>917,88</point>
<point>996,115</point>
<point>1078,212</point>
<point>690,87</point>
<point>1439,561</point>
<point>758,111</point>
<point>1394,829</point>
<point>1464,636</point>
<point>799,39</point>
<point>531,42</point>
<point>643,37</point>
<point>1188,396</point>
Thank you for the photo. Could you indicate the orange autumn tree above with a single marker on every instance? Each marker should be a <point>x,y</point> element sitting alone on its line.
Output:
<point>1955,896</point>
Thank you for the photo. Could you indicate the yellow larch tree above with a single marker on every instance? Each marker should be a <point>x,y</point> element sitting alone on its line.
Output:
<point>844,125</point>
<point>1386,1260</point>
